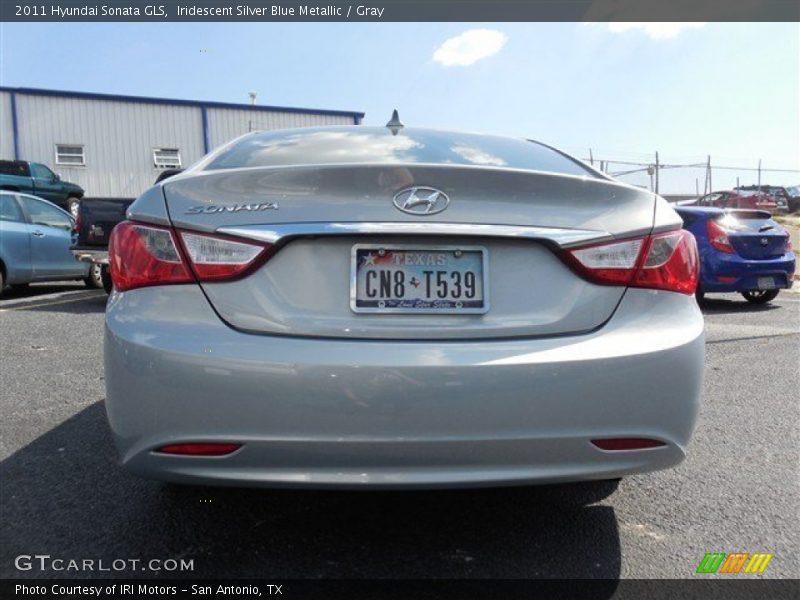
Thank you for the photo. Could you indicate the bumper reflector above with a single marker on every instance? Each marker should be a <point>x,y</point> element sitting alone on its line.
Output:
<point>199,449</point>
<point>627,443</point>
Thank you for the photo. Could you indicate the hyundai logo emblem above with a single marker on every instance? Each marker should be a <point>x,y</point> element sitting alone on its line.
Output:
<point>421,201</point>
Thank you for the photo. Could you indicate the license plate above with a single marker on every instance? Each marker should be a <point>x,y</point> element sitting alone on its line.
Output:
<point>765,283</point>
<point>399,278</point>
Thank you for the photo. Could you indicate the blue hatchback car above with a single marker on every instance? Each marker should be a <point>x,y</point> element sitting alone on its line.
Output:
<point>741,251</point>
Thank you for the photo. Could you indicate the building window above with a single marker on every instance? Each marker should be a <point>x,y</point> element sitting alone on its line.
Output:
<point>70,155</point>
<point>166,158</point>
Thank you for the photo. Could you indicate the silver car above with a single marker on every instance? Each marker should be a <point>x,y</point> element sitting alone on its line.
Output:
<point>377,307</point>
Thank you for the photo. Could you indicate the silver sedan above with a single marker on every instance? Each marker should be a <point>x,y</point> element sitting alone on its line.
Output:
<point>360,306</point>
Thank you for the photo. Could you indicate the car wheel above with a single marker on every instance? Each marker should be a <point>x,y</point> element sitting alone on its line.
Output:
<point>701,296</point>
<point>760,296</point>
<point>95,277</point>
<point>73,204</point>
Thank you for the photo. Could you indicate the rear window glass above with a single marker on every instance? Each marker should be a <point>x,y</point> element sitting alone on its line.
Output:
<point>14,167</point>
<point>747,221</point>
<point>9,209</point>
<point>371,145</point>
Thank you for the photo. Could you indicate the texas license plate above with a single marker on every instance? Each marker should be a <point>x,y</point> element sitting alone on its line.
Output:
<point>766,283</point>
<point>389,278</point>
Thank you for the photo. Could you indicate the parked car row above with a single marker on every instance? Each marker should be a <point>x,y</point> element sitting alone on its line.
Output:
<point>773,199</point>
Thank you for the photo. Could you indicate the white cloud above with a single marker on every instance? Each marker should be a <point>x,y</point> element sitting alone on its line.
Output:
<point>470,47</point>
<point>656,31</point>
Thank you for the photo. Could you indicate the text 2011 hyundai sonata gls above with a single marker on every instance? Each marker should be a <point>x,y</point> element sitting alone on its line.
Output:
<point>362,306</point>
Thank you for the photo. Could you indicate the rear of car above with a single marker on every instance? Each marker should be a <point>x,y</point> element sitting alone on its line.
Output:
<point>362,307</point>
<point>741,251</point>
<point>95,220</point>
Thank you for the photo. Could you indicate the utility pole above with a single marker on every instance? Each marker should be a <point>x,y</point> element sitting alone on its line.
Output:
<point>591,158</point>
<point>697,187</point>
<point>759,174</point>
<point>657,168</point>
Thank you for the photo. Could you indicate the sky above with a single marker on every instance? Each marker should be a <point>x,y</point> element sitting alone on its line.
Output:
<point>625,90</point>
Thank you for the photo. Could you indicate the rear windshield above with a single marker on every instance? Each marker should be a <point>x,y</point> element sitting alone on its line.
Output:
<point>747,221</point>
<point>370,145</point>
<point>14,167</point>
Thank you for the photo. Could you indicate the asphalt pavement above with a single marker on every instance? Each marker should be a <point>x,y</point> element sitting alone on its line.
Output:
<point>62,493</point>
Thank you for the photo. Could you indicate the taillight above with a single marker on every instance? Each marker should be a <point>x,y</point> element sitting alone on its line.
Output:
<point>718,237</point>
<point>664,261</point>
<point>787,247</point>
<point>142,255</point>
<point>217,258</point>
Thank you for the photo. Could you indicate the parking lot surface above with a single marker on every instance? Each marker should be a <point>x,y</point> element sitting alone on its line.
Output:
<point>63,495</point>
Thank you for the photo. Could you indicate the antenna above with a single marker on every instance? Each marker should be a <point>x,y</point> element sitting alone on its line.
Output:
<point>394,125</point>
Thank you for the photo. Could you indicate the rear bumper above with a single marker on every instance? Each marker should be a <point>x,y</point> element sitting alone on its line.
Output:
<point>369,413</point>
<point>91,255</point>
<point>745,272</point>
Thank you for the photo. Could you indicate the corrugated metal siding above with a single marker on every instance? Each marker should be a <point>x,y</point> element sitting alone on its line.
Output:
<point>118,136</point>
<point>227,124</point>
<point>6,128</point>
<point>118,139</point>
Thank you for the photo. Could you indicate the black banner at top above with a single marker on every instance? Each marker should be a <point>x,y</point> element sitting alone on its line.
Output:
<point>399,10</point>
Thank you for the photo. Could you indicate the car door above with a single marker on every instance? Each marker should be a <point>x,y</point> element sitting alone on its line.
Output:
<point>15,247</point>
<point>50,237</point>
<point>47,184</point>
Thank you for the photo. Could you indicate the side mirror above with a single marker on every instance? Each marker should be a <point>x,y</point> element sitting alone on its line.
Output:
<point>57,177</point>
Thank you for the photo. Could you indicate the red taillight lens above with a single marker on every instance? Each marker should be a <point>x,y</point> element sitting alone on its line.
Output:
<point>787,247</point>
<point>671,263</point>
<point>665,261</point>
<point>718,237</point>
<point>199,449</point>
<point>627,443</point>
<point>142,255</point>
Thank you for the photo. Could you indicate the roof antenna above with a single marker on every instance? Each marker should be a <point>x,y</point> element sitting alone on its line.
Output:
<point>394,125</point>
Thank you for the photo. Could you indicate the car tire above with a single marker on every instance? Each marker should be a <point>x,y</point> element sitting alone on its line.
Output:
<point>108,285</point>
<point>760,296</point>
<point>73,203</point>
<point>95,278</point>
<point>700,296</point>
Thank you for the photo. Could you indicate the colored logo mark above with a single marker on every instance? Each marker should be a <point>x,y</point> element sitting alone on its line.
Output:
<point>736,562</point>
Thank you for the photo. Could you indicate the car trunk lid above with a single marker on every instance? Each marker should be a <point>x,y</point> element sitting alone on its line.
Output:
<point>318,215</point>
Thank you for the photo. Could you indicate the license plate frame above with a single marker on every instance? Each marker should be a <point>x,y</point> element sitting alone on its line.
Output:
<point>450,248</point>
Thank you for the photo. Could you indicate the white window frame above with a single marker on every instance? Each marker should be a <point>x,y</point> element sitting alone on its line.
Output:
<point>167,165</point>
<point>82,155</point>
